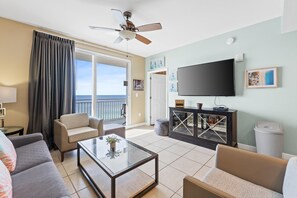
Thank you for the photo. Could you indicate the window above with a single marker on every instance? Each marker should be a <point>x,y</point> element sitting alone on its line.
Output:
<point>100,89</point>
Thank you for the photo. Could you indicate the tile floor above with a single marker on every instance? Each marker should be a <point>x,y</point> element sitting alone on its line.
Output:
<point>176,160</point>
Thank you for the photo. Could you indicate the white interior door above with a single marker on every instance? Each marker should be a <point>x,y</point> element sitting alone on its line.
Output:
<point>158,97</point>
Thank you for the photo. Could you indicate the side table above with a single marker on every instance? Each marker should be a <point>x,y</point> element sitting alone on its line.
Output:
<point>11,130</point>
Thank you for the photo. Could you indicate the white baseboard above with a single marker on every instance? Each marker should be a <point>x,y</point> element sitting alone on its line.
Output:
<point>247,147</point>
<point>254,149</point>
<point>287,156</point>
<point>135,125</point>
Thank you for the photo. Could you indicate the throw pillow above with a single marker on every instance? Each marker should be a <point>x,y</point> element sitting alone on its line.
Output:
<point>290,181</point>
<point>5,182</point>
<point>7,153</point>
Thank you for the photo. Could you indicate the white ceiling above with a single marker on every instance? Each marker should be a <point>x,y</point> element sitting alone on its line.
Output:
<point>183,21</point>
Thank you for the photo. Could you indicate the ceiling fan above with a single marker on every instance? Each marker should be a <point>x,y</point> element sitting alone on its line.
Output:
<point>128,30</point>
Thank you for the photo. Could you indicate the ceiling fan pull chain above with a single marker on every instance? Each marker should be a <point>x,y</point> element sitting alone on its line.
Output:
<point>127,49</point>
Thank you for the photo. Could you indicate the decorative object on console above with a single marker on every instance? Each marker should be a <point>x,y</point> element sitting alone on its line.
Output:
<point>179,103</point>
<point>138,85</point>
<point>7,95</point>
<point>199,105</point>
<point>261,78</point>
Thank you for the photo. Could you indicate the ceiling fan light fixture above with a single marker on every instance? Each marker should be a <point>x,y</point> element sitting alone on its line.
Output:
<point>128,35</point>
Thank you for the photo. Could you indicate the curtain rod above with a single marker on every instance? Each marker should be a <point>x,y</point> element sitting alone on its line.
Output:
<point>91,44</point>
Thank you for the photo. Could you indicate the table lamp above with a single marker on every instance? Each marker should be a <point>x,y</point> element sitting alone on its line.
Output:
<point>7,95</point>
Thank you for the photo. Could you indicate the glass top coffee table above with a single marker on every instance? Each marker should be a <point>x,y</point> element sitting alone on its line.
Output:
<point>116,173</point>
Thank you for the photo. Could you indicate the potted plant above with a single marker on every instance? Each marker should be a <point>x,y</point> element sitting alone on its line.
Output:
<point>112,140</point>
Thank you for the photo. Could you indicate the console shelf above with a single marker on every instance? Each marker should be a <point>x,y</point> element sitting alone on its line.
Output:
<point>203,127</point>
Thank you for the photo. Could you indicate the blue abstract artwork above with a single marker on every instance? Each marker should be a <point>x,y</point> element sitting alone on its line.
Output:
<point>261,78</point>
<point>269,77</point>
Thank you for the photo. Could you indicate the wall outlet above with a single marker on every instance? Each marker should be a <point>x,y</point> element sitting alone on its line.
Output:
<point>136,95</point>
<point>139,114</point>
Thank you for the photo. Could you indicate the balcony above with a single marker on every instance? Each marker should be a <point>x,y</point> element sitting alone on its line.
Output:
<point>108,109</point>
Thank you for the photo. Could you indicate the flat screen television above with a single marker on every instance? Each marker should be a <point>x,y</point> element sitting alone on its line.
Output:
<point>208,79</point>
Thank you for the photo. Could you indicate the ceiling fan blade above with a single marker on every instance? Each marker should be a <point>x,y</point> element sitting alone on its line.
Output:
<point>118,40</point>
<point>149,27</point>
<point>119,17</point>
<point>142,39</point>
<point>103,28</point>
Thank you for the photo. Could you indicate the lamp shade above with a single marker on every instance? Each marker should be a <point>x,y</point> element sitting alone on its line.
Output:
<point>7,94</point>
<point>128,35</point>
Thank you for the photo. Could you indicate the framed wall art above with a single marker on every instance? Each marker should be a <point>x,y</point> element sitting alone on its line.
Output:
<point>157,63</point>
<point>138,85</point>
<point>261,78</point>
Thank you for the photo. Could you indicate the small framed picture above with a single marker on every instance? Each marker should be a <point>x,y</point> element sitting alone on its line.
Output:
<point>157,63</point>
<point>138,85</point>
<point>261,78</point>
<point>2,112</point>
<point>172,87</point>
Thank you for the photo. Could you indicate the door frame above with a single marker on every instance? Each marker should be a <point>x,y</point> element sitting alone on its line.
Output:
<point>149,109</point>
<point>129,78</point>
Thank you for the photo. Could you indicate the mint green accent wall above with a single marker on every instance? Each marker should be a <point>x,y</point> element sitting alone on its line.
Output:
<point>263,46</point>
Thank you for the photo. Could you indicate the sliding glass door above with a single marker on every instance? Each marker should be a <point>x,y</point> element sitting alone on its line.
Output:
<point>101,91</point>
<point>84,83</point>
<point>111,92</point>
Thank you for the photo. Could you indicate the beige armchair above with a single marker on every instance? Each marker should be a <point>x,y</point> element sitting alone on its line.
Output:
<point>71,128</point>
<point>239,173</point>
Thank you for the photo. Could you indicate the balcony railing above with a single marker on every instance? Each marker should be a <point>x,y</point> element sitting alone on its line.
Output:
<point>107,109</point>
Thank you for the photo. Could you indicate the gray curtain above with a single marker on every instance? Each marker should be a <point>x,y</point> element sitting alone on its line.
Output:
<point>51,82</point>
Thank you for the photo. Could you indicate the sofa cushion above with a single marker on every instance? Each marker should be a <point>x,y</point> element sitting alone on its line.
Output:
<point>5,182</point>
<point>7,152</point>
<point>31,155</point>
<point>236,186</point>
<point>43,180</point>
<point>76,120</point>
<point>83,133</point>
<point>290,181</point>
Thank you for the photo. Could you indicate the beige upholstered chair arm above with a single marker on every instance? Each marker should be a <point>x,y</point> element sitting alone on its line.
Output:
<point>195,188</point>
<point>259,169</point>
<point>60,134</point>
<point>96,123</point>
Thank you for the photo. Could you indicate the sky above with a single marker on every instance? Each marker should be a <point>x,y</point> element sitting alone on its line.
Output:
<point>109,79</point>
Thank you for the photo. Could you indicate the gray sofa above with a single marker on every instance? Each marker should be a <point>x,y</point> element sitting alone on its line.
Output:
<point>35,174</point>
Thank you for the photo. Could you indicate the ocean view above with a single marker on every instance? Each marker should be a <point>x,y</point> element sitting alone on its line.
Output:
<point>108,107</point>
<point>99,97</point>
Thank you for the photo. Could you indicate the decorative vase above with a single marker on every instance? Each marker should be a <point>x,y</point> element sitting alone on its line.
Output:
<point>112,146</point>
